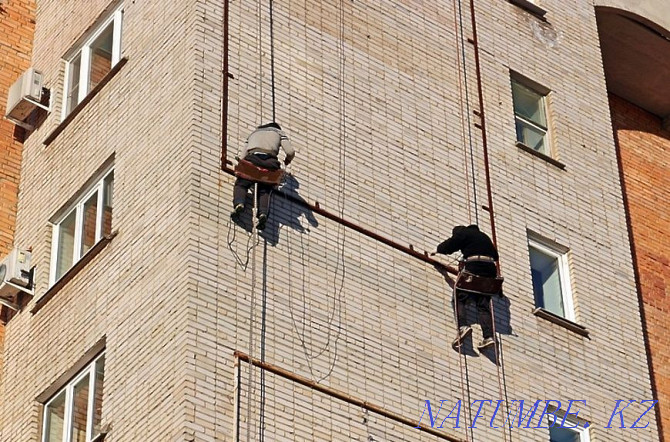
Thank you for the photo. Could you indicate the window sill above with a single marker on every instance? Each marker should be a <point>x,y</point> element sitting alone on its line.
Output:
<point>74,270</point>
<point>559,320</point>
<point>530,7</point>
<point>546,158</point>
<point>77,109</point>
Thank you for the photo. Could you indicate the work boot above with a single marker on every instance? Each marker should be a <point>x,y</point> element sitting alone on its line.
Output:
<point>463,333</point>
<point>486,343</point>
<point>237,211</point>
<point>262,219</point>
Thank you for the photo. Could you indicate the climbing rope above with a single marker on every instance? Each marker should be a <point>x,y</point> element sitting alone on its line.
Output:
<point>463,83</point>
<point>464,379</point>
<point>243,264</point>
<point>260,58</point>
<point>261,429</point>
<point>264,293</point>
<point>335,300</point>
<point>252,313</point>
<point>459,29</point>
<point>461,72</point>
<point>272,59</point>
<point>463,67</point>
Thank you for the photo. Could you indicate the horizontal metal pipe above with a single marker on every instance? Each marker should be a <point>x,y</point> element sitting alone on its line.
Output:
<point>321,211</point>
<point>342,396</point>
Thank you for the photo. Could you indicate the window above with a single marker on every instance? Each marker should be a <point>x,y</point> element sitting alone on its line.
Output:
<point>566,434</point>
<point>91,61</point>
<point>82,226</point>
<point>530,115</point>
<point>74,413</point>
<point>551,281</point>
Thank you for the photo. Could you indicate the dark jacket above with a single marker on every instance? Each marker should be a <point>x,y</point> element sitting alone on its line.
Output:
<point>471,242</point>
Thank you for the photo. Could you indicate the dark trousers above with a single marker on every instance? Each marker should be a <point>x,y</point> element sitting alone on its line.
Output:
<point>482,302</point>
<point>242,185</point>
<point>483,311</point>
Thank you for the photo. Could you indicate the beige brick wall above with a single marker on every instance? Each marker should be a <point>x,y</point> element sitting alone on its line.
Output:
<point>143,317</point>
<point>369,95</point>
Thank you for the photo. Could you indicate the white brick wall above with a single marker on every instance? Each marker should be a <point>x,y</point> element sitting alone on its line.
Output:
<point>376,121</point>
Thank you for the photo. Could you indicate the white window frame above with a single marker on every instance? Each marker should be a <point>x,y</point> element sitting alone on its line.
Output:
<point>69,392</point>
<point>563,274</point>
<point>583,433</point>
<point>85,50</point>
<point>543,101</point>
<point>99,187</point>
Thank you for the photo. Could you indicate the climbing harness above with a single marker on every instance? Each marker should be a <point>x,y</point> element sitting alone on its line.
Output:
<point>471,283</point>
<point>247,170</point>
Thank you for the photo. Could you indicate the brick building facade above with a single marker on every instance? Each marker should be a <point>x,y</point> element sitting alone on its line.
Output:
<point>141,325</point>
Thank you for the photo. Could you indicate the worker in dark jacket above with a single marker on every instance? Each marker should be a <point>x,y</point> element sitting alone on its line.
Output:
<point>261,149</point>
<point>479,257</point>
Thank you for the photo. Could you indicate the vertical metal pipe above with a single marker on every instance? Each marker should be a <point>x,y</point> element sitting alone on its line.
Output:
<point>236,399</point>
<point>224,92</point>
<point>480,95</point>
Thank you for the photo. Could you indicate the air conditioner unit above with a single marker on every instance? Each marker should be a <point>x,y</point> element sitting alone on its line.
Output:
<point>24,96</point>
<point>15,276</point>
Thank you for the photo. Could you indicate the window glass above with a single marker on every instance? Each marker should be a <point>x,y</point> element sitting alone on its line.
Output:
<point>546,281</point>
<point>74,414</point>
<point>65,244</point>
<point>530,117</point>
<point>529,104</point>
<point>88,238</point>
<point>86,224</point>
<point>80,410</point>
<point>558,434</point>
<point>101,56</point>
<point>530,136</point>
<point>73,86</point>
<point>97,398</point>
<point>55,419</point>
<point>107,204</point>
<point>92,61</point>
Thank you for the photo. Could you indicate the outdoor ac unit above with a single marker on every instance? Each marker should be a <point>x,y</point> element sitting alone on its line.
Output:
<point>24,96</point>
<point>15,275</point>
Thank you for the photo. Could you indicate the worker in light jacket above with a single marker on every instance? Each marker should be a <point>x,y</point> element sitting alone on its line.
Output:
<point>261,149</point>
<point>479,257</point>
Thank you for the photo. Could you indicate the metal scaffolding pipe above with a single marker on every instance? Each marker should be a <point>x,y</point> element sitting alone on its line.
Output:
<point>342,396</point>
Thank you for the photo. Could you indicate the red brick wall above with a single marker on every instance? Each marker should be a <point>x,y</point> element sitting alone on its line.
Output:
<point>644,147</point>
<point>16,38</point>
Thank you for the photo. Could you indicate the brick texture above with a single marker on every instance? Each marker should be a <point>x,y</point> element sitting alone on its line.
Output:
<point>17,24</point>
<point>644,147</point>
<point>369,94</point>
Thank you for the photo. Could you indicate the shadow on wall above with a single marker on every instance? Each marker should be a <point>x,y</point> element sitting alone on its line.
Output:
<point>283,212</point>
<point>501,314</point>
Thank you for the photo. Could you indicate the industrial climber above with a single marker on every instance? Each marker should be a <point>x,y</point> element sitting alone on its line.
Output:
<point>262,150</point>
<point>479,257</point>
